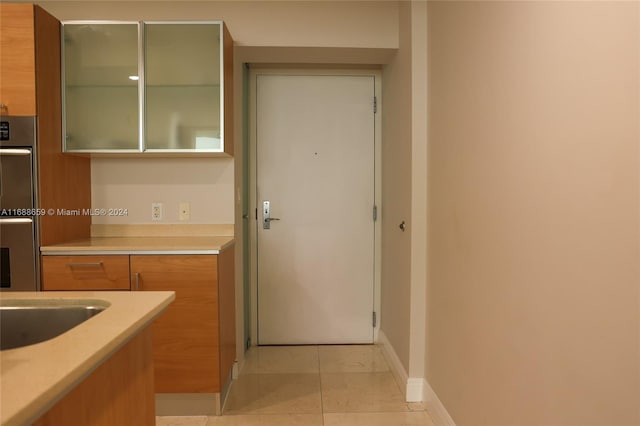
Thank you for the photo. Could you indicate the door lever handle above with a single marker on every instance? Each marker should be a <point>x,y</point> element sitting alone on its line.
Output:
<point>266,215</point>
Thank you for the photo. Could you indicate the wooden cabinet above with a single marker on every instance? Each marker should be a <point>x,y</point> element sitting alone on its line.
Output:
<point>85,273</point>
<point>186,337</point>
<point>118,392</point>
<point>30,86</point>
<point>17,59</point>
<point>194,340</point>
<point>180,101</point>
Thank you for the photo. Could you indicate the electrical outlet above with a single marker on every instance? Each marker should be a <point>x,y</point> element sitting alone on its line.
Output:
<point>156,212</point>
<point>184,211</point>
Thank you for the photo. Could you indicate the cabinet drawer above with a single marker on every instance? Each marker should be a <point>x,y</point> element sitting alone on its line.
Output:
<point>85,273</point>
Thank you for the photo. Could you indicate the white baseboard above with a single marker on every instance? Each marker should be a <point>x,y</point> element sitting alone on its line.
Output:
<point>413,389</point>
<point>417,389</point>
<point>235,371</point>
<point>436,409</point>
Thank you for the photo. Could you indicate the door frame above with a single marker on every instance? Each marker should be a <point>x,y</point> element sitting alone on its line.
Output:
<point>254,72</point>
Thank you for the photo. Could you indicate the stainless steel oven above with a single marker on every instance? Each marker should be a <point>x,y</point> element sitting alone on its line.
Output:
<point>19,251</point>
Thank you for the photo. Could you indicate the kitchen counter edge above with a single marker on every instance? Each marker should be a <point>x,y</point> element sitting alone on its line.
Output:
<point>140,245</point>
<point>35,377</point>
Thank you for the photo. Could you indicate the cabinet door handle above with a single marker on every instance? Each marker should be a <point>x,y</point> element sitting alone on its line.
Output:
<point>137,284</point>
<point>85,265</point>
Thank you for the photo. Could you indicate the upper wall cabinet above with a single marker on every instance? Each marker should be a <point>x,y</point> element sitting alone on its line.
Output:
<point>149,87</point>
<point>101,91</point>
<point>17,60</point>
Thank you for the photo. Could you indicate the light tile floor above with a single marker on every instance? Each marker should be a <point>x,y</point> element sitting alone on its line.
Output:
<point>313,386</point>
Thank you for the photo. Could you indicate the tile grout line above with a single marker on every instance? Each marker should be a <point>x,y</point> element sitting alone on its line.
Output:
<point>320,381</point>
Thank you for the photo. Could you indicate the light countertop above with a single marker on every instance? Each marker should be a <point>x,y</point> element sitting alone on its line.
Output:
<point>141,245</point>
<point>33,378</point>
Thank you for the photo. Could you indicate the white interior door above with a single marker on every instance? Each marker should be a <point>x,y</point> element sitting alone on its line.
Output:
<point>315,166</point>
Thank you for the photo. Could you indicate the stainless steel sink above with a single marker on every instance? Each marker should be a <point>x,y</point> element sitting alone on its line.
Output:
<point>25,322</point>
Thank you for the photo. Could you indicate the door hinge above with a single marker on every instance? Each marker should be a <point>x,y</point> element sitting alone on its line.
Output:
<point>375,104</point>
<point>375,320</point>
<point>375,213</point>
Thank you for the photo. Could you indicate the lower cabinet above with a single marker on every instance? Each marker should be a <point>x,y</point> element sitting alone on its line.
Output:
<point>72,273</point>
<point>119,392</point>
<point>194,340</point>
<point>186,337</point>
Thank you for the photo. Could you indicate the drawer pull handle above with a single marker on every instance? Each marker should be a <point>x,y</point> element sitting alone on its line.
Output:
<point>85,265</point>
<point>137,281</point>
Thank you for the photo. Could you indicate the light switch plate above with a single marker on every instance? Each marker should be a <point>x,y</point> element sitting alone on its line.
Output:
<point>184,211</point>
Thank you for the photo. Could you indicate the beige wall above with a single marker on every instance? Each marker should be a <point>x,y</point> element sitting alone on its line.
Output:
<point>396,193</point>
<point>534,226</point>
<point>362,24</point>
<point>205,183</point>
<point>418,198</point>
<point>404,195</point>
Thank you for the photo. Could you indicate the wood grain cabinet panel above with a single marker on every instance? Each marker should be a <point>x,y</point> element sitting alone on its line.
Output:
<point>85,273</point>
<point>119,392</point>
<point>17,59</point>
<point>186,337</point>
<point>227,313</point>
<point>64,180</point>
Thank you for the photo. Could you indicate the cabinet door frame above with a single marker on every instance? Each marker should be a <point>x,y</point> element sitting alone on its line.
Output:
<point>225,98</point>
<point>140,85</point>
<point>221,83</point>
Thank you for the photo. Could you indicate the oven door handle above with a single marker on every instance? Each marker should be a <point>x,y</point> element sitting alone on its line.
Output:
<point>15,220</point>
<point>15,151</point>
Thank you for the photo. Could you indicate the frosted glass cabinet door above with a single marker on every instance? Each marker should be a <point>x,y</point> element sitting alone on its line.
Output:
<point>101,101</point>
<point>182,86</point>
